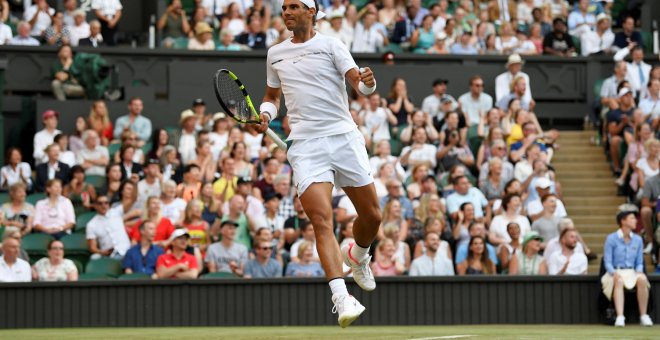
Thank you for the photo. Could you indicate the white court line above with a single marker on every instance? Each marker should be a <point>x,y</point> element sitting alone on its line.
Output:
<point>446,337</point>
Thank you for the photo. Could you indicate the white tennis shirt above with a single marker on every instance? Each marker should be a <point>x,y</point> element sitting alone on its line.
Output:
<point>311,75</point>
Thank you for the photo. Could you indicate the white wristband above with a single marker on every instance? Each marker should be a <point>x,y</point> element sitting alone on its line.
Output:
<point>270,109</point>
<point>366,90</point>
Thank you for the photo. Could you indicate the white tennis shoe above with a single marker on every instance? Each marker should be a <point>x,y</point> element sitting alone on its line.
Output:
<point>361,270</point>
<point>620,321</point>
<point>645,320</point>
<point>348,308</point>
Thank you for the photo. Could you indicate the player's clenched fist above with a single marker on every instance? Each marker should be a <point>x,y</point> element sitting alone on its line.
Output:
<point>367,77</point>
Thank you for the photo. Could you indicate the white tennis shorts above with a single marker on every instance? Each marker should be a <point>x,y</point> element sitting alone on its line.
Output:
<point>340,159</point>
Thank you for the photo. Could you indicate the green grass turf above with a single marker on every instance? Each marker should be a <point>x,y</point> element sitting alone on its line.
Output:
<point>354,332</point>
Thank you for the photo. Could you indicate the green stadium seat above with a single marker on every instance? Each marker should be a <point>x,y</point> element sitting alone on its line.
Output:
<point>36,245</point>
<point>34,198</point>
<point>180,43</point>
<point>104,266</point>
<point>135,276</point>
<point>82,220</point>
<point>219,275</point>
<point>75,247</point>
<point>97,181</point>
<point>578,45</point>
<point>647,40</point>
<point>79,265</point>
<point>146,148</point>
<point>113,148</point>
<point>598,85</point>
<point>4,197</point>
<point>93,277</point>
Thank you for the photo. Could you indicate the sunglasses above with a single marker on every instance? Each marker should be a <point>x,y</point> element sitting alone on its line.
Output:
<point>266,248</point>
<point>103,203</point>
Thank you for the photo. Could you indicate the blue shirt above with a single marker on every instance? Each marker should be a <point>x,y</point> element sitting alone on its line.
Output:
<point>460,49</point>
<point>621,255</point>
<point>474,196</point>
<point>255,269</point>
<point>141,126</point>
<point>462,251</point>
<point>142,264</point>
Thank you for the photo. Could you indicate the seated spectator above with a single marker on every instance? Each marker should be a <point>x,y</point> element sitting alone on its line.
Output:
<point>187,136</point>
<point>54,267</point>
<point>79,29</point>
<point>547,225</point>
<point>70,7</point>
<point>536,35</point>
<point>99,121</point>
<point>254,37</point>
<point>400,103</point>
<point>12,268</point>
<point>274,221</point>
<point>524,169</point>
<point>529,261</point>
<point>57,34</point>
<point>233,19</point>
<point>464,45</point>
<point>93,157</point>
<point>127,207</point>
<point>530,135</point>
<point>383,155</point>
<point>172,206</point>
<point>475,103</point>
<point>440,45</point>
<point>203,40</point>
<point>335,29</point>
<point>617,121</point>
<point>66,76</point>
<point>177,264</point>
<point>134,121</point>
<point>477,261</point>
<point>95,38</point>
<point>421,152</point>
<point>648,166</point>
<point>600,40</point>
<point>130,170</point>
<point>150,185</point>
<point>377,119</point>
<point>17,214</point>
<point>493,186</point>
<point>263,265</point>
<point>649,201</point>
<point>511,206</point>
<point>227,255</point>
<point>81,194</point>
<point>395,191</point>
<point>173,24</point>
<point>204,162</point>
<point>466,193</point>
<point>649,103</point>
<point>581,21</point>
<point>66,156</point>
<point>624,263</point>
<point>307,265</point>
<point>622,39</point>
<point>40,16</point>
<point>404,28</point>
<point>197,228</point>
<point>16,171</point>
<point>130,138</point>
<point>518,89</point>
<point>525,45</point>
<point>436,259</point>
<point>306,235</point>
<point>52,169</point>
<point>142,257</point>
<point>497,151</point>
<point>554,245</point>
<point>507,40</point>
<point>558,42</point>
<point>108,12</point>
<point>76,140</point>
<point>503,81</point>
<point>152,213</point>
<point>423,37</point>
<point>475,229</point>
<point>54,215</point>
<point>453,151</point>
<point>112,182</point>
<point>105,232</point>
<point>23,37</point>
<point>507,251</point>
<point>568,261</point>
<point>535,206</point>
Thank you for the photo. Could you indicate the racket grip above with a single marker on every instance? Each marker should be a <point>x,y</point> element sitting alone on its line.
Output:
<point>276,139</point>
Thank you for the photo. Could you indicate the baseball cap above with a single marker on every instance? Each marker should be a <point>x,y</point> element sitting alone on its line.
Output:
<point>388,56</point>
<point>624,91</point>
<point>335,14</point>
<point>229,223</point>
<point>178,233</point>
<point>49,113</point>
<point>243,180</point>
<point>542,183</point>
<point>152,161</point>
<point>198,101</point>
<point>270,195</point>
<point>603,16</point>
<point>531,235</point>
<point>440,81</point>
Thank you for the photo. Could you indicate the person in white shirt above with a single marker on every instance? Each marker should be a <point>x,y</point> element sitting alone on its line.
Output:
<point>650,104</point>
<point>367,38</point>
<point>637,72</point>
<point>600,40</point>
<point>377,119</point>
<point>93,157</point>
<point>40,17</point>
<point>503,81</point>
<point>23,37</point>
<point>13,269</point>
<point>70,7</point>
<point>188,137</point>
<point>420,151</point>
<point>5,34</point>
<point>580,21</point>
<point>108,12</point>
<point>475,103</point>
<point>105,232</point>
<point>431,104</point>
<point>436,261</point>
<point>15,171</point>
<point>336,29</point>
<point>45,137</point>
<point>498,233</point>
<point>298,68</point>
<point>172,206</point>
<point>568,261</point>
<point>80,28</point>
<point>150,185</point>
<point>535,207</point>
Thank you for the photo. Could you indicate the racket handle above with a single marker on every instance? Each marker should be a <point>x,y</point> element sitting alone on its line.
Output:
<point>276,139</point>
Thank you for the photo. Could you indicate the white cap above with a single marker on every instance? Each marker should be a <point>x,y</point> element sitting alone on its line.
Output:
<point>603,16</point>
<point>178,233</point>
<point>310,4</point>
<point>441,35</point>
<point>624,91</point>
<point>542,183</point>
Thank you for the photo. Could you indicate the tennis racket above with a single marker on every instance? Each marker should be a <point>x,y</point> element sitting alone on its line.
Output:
<point>235,100</point>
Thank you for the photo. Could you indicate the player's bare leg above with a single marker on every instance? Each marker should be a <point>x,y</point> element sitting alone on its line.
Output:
<point>317,202</point>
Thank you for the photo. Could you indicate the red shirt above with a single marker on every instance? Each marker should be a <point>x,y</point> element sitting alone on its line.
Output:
<point>164,230</point>
<point>169,260</point>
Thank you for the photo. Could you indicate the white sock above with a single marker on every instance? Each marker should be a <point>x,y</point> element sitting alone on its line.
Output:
<point>338,286</point>
<point>359,253</point>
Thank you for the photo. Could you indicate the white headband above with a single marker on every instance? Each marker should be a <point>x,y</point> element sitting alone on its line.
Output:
<point>310,4</point>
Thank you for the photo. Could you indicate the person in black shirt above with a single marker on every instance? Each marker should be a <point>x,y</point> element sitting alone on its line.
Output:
<point>623,39</point>
<point>558,42</point>
<point>254,38</point>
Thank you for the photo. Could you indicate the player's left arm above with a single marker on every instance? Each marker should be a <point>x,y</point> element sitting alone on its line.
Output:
<point>365,76</point>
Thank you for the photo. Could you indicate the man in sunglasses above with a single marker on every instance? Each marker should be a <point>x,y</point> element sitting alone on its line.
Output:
<point>263,265</point>
<point>106,235</point>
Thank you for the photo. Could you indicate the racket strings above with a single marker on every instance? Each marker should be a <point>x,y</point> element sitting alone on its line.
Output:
<point>233,97</point>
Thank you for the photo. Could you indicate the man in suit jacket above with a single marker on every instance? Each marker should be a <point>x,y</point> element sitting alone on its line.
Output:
<point>128,167</point>
<point>51,169</point>
<point>95,38</point>
<point>637,71</point>
<point>404,28</point>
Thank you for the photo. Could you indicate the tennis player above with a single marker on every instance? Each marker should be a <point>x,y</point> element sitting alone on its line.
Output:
<point>311,70</point>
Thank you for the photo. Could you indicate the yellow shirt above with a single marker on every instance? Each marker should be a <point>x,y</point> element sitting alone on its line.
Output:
<point>220,185</point>
<point>515,135</point>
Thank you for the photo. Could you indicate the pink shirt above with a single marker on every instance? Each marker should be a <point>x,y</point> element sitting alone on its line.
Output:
<point>51,217</point>
<point>384,271</point>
